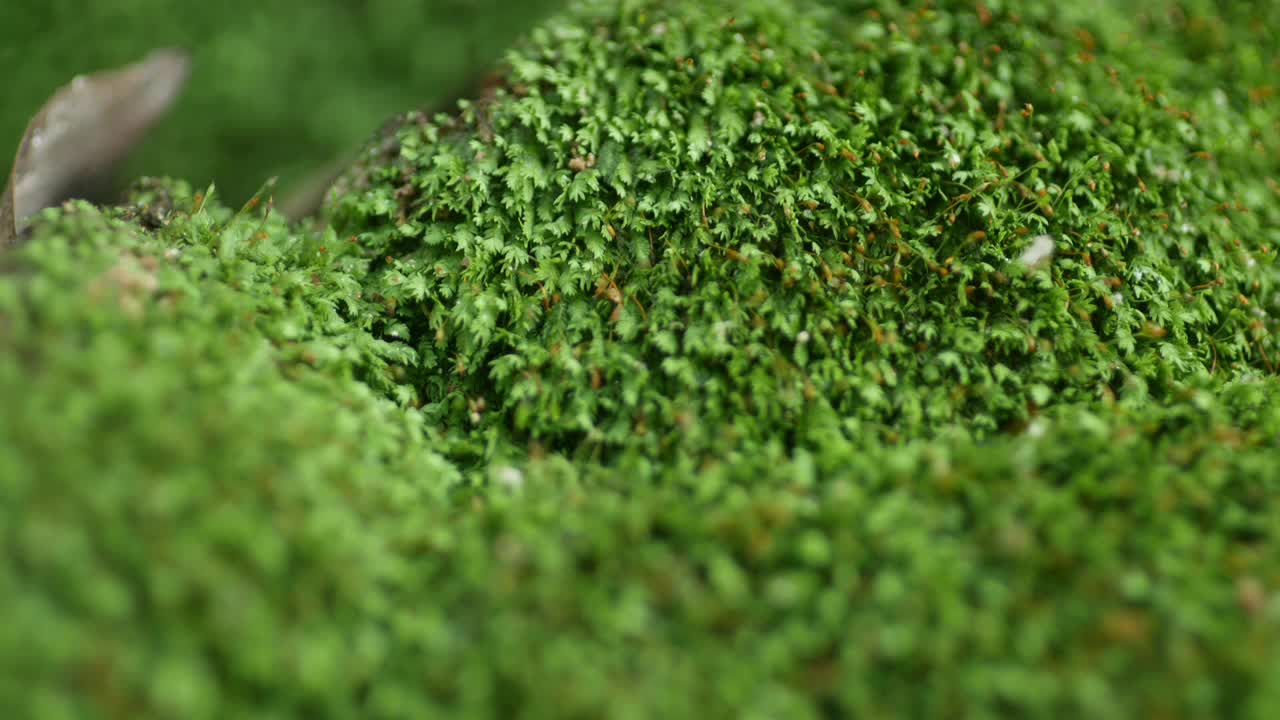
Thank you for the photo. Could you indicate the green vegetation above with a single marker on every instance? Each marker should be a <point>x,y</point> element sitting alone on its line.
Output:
<point>696,371</point>
<point>284,87</point>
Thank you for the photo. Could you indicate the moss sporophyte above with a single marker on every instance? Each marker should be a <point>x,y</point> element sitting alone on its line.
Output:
<point>723,359</point>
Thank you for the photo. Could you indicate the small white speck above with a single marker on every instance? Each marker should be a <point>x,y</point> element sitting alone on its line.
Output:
<point>1250,262</point>
<point>510,478</point>
<point>660,29</point>
<point>758,119</point>
<point>1035,428</point>
<point>1039,252</point>
<point>1117,299</point>
<point>803,337</point>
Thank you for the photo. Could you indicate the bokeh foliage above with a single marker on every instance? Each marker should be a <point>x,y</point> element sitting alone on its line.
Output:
<point>654,386</point>
<point>277,88</point>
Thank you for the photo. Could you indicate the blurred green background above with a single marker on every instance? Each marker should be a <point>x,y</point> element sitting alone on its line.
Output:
<point>277,88</point>
<point>285,87</point>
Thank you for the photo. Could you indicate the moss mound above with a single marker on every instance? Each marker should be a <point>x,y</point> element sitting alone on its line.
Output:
<point>698,371</point>
<point>713,226</point>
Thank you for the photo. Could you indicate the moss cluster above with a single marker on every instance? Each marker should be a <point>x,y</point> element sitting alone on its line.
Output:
<point>694,372</point>
<point>701,227</point>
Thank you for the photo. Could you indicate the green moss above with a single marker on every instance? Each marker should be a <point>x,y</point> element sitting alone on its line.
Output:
<point>683,231</point>
<point>544,424</point>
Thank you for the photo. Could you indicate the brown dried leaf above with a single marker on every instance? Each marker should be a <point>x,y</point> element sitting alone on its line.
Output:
<point>84,131</point>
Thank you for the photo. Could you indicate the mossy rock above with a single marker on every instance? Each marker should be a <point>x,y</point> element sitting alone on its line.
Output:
<point>695,371</point>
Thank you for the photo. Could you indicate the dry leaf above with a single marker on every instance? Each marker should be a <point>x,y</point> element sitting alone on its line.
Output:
<point>84,131</point>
